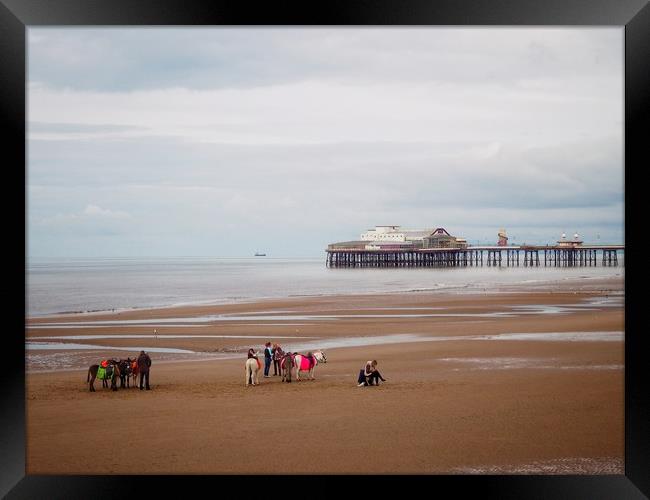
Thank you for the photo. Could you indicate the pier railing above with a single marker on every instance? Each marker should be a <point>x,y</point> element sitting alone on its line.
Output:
<point>558,256</point>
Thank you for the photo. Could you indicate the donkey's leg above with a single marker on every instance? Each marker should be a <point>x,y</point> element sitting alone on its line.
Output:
<point>246,376</point>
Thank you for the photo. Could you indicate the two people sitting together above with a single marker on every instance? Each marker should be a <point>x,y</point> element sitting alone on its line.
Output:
<point>370,375</point>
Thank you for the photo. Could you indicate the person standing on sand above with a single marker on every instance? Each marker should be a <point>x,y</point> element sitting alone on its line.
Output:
<point>278,353</point>
<point>288,366</point>
<point>268,356</point>
<point>144,364</point>
<point>273,348</point>
<point>370,373</point>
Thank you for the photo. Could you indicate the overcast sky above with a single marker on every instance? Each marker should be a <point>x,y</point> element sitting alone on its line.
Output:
<point>226,141</point>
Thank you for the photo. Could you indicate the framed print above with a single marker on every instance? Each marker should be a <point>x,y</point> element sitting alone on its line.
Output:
<point>408,225</point>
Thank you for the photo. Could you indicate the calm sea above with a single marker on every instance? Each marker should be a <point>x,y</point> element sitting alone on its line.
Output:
<point>82,285</point>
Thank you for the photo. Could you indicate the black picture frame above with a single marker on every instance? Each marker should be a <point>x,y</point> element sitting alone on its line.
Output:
<point>634,15</point>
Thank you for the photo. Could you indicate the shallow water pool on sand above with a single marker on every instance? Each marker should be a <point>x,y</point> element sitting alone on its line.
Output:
<point>159,336</point>
<point>61,346</point>
<point>514,311</point>
<point>299,346</point>
<point>501,363</point>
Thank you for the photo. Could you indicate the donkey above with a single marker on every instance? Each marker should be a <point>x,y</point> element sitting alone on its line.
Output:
<point>320,356</point>
<point>251,370</point>
<point>286,366</point>
<point>113,375</point>
<point>305,364</point>
<point>126,370</point>
<point>135,372</point>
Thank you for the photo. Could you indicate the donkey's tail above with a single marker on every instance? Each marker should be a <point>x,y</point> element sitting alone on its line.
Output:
<point>88,377</point>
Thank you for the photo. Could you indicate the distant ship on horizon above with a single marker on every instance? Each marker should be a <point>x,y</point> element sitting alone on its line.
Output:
<point>258,254</point>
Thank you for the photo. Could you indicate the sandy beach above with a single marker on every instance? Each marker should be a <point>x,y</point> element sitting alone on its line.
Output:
<point>524,379</point>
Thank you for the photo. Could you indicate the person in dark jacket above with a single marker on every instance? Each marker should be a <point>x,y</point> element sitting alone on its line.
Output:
<point>268,357</point>
<point>144,364</point>
<point>278,354</point>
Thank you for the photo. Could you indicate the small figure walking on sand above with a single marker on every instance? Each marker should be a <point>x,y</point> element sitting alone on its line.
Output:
<point>155,334</point>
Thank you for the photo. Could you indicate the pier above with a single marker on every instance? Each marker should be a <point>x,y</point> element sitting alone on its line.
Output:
<point>509,256</point>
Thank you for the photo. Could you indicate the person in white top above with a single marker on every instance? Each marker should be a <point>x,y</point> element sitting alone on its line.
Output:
<point>370,374</point>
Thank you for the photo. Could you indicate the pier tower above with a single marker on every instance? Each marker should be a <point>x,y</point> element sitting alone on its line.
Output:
<point>503,239</point>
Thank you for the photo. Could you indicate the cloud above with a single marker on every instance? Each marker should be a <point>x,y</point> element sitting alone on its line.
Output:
<point>76,131</point>
<point>91,221</point>
<point>299,137</point>
<point>95,211</point>
<point>129,59</point>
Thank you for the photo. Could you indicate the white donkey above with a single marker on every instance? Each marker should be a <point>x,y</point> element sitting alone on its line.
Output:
<point>252,369</point>
<point>320,356</point>
<point>303,363</point>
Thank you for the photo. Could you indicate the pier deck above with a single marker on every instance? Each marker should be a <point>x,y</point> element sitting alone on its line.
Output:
<point>524,255</point>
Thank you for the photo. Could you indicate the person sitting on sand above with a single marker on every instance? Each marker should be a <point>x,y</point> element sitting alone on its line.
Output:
<point>370,373</point>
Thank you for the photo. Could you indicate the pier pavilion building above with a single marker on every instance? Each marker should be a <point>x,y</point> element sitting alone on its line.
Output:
<point>395,238</point>
<point>564,243</point>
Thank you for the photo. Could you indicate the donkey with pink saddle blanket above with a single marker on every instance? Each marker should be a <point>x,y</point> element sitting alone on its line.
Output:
<point>302,363</point>
<point>305,363</point>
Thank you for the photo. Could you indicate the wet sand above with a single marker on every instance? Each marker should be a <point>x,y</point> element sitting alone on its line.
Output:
<point>460,397</point>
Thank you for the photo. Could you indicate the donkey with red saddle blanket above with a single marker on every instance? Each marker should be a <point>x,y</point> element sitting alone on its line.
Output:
<point>301,363</point>
<point>305,363</point>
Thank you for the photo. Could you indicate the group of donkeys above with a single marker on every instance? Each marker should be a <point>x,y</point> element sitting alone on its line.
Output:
<point>123,369</point>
